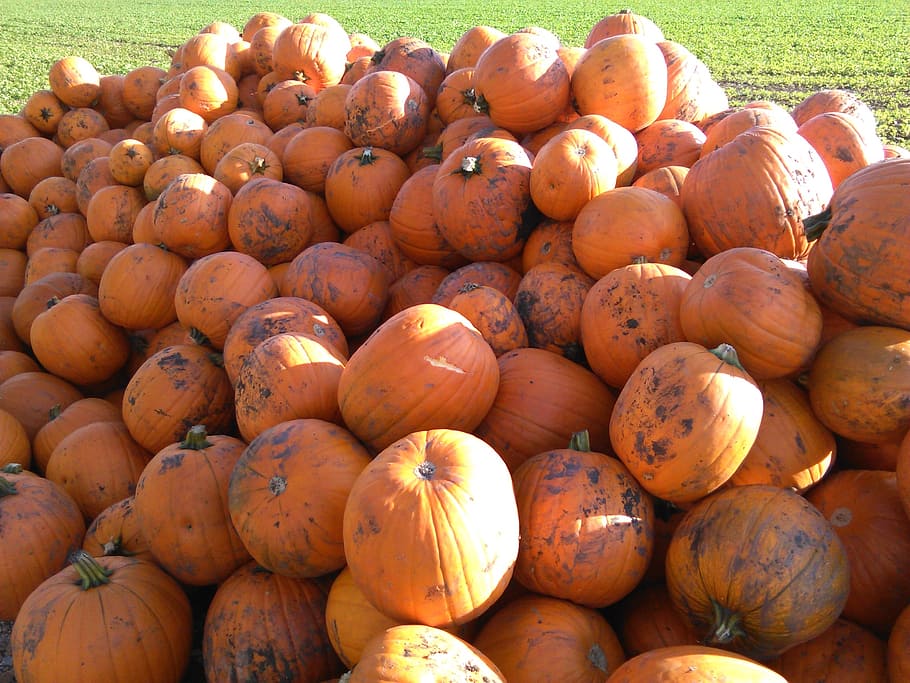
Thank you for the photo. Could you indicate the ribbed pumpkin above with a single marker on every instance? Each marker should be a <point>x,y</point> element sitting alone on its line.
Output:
<point>104,619</point>
<point>692,94</point>
<point>309,153</point>
<point>191,215</point>
<point>310,53</point>
<point>290,641</point>
<point>49,525</point>
<point>30,396</point>
<point>843,142</point>
<point>521,636</point>
<point>853,266</point>
<point>693,663</point>
<point>493,314</point>
<point>748,297</point>
<point>287,495</point>
<point>586,525</point>
<point>116,531</point>
<point>864,508</point>
<point>178,385</point>
<point>246,162</point>
<point>756,191</point>
<point>685,420</point>
<point>757,569</point>
<point>628,313</point>
<point>431,528</point>
<point>394,382</point>
<point>858,383</point>
<point>742,119</point>
<point>181,500</point>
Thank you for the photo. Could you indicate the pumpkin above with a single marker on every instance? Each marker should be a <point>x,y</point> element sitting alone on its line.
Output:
<point>456,98</point>
<point>188,481</point>
<point>14,265</point>
<point>179,131</point>
<point>137,288</point>
<point>376,239</point>
<point>668,142</point>
<point>19,219</point>
<point>227,132</point>
<point>586,525</point>
<point>92,261</point>
<point>27,162</point>
<point>287,495</point>
<point>49,525</point>
<point>843,143</point>
<point>98,464</point>
<point>129,160</point>
<point>287,376</point>
<point>865,510</point>
<point>15,446</point>
<point>621,22</point>
<point>845,652</point>
<point>793,449</point>
<point>418,286</point>
<point>628,224</point>
<point>386,109</point>
<point>469,46</point>
<point>29,397</point>
<point>175,386</point>
<point>80,123</point>
<point>834,100</point>
<point>521,83</point>
<point>857,383</point>
<point>43,109</point>
<point>756,191</point>
<point>139,88</point>
<point>44,261</point>
<point>573,167</point>
<point>628,313</point>
<point>549,241</point>
<point>419,495</point>
<point>66,230</point>
<point>245,162</point>
<point>742,119</point>
<point>430,342</point>
<point>101,617</point>
<point>409,652</point>
<point>685,420</point>
<point>75,81</point>
<point>482,200</point>
<point>416,59</point>
<point>361,185</point>
<point>520,638</point>
<point>896,653</point>
<point>164,170</point>
<point>757,569</point>
<point>693,663</point>
<point>116,531</point>
<point>216,289</point>
<point>32,299</point>
<point>309,154</point>
<point>692,94</point>
<point>286,102</point>
<point>191,215</point>
<point>646,619</point>
<point>9,340</point>
<point>275,316</point>
<point>290,641</point>
<point>850,265</point>
<point>493,314</point>
<point>758,305</point>
<point>349,284</point>
<point>327,108</point>
<point>622,77</point>
<point>310,53</point>
<point>208,91</point>
<point>53,195</point>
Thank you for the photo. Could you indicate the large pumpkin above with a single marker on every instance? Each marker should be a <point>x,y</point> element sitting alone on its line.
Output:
<point>104,619</point>
<point>431,528</point>
<point>854,266</point>
<point>685,420</point>
<point>695,663</point>
<point>757,569</point>
<point>587,527</point>
<point>425,367</point>
<point>287,494</point>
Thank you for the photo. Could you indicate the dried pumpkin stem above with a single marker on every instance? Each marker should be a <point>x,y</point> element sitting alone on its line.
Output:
<point>425,470</point>
<point>12,468</point>
<point>580,441</point>
<point>815,225</point>
<point>91,574</point>
<point>196,438</point>
<point>728,355</point>
<point>726,626</point>
<point>7,488</point>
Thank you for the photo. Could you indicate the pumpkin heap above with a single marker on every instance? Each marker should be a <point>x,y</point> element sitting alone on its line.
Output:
<point>421,365</point>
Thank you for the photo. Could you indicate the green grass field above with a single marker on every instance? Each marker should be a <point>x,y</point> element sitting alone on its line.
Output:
<point>780,51</point>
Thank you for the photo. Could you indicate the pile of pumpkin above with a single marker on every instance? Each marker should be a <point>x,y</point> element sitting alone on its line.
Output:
<point>523,362</point>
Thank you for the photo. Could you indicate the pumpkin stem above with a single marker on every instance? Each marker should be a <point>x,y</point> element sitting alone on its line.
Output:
<point>91,574</point>
<point>12,468</point>
<point>196,438</point>
<point>598,658</point>
<point>815,225</point>
<point>114,546</point>
<point>480,105</point>
<point>277,485</point>
<point>258,165</point>
<point>728,355</point>
<point>53,301</point>
<point>198,337</point>
<point>425,470</point>
<point>639,260</point>
<point>367,157</point>
<point>470,96</point>
<point>7,487</point>
<point>468,287</point>
<point>469,166</point>
<point>433,152</point>
<point>580,441</point>
<point>55,411</point>
<point>725,627</point>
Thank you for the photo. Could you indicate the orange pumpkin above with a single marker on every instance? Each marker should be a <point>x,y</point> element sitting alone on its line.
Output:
<point>647,619</point>
<point>443,499</point>
<point>693,663</point>
<point>586,525</point>
<point>116,531</point>
<point>843,143</point>
<point>388,110</point>
<point>493,314</point>
<point>287,495</point>
<point>622,22</point>
<point>191,215</point>
<point>756,570</point>
<point>685,420</point>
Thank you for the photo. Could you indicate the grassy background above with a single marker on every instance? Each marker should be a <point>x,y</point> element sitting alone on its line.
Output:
<point>780,51</point>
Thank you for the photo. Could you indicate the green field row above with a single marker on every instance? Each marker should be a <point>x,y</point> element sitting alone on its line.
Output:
<point>779,51</point>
